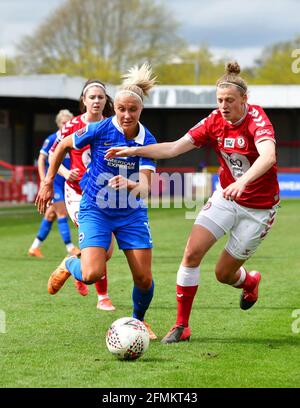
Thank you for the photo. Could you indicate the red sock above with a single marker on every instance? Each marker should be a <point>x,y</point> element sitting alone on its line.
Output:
<point>185,296</point>
<point>101,285</point>
<point>248,284</point>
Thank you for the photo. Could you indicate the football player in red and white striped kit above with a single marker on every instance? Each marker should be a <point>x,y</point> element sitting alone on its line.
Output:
<point>95,105</point>
<point>245,204</point>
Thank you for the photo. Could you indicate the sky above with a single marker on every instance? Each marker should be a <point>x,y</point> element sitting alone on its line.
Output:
<point>238,29</point>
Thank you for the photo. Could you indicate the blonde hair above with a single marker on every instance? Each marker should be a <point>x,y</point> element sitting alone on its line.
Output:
<point>137,82</point>
<point>61,114</point>
<point>231,77</point>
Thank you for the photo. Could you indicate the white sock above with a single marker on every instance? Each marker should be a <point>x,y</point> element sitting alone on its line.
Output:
<point>187,276</point>
<point>70,246</point>
<point>36,243</point>
<point>241,278</point>
<point>101,297</point>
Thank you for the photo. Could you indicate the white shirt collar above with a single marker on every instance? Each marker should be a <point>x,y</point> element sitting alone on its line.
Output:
<point>139,138</point>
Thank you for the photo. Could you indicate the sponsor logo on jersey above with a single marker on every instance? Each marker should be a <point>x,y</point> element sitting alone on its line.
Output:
<point>229,142</point>
<point>123,163</point>
<point>241,141</point>
<point>81,131</point>
<point>264,132</point>
<point>107,143</point>
<point>220,141</point>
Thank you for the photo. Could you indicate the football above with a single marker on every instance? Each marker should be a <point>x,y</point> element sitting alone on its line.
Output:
<point>127,338</point>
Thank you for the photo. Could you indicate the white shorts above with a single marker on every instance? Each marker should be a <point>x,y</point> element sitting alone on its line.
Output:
<point>247,227</point>
<point>72,200</point>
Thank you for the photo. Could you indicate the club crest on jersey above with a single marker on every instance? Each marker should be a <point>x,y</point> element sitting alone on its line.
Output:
<point>229,142</point>
<point>81,131</point>
<point>241,141</point>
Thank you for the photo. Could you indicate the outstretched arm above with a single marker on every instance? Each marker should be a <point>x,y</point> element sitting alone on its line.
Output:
<point>46,190</point>
<point>154,151</point>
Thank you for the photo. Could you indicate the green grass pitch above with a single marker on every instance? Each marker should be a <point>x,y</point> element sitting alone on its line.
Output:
<point>59,341</point>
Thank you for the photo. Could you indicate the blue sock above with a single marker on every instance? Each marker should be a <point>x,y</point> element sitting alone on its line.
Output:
<point>141,301</point>
<point>44,230</point>
<point>64,229</point>
<point>74,267</point>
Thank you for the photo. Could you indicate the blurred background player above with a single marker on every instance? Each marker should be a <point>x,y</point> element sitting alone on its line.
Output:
<point>111,203</point>
<point>95,105</point>
<point>244,207</point>
<point>57,210</point>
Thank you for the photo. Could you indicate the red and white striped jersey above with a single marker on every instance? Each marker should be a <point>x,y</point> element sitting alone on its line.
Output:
<point>80,159</point>
<point>235,145</point>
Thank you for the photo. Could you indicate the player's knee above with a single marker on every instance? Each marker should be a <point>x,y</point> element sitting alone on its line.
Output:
<point>51,217</point>
<point>62,214</point>
<point>91,275</point>
<point>143,282</point>
<point>192,257</point>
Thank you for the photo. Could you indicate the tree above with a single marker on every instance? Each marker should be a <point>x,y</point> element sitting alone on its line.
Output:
<point>191,68</point>
<point>100,38</point>
<point>279,64</point>
<point>8,65</point>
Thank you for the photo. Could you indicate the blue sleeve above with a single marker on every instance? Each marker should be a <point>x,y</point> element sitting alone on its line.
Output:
<point>145,162</point>
<point>84,136</point>
<point>48,142</point>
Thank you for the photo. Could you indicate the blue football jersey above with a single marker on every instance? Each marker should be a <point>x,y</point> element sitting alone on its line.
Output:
<point>101,136</point>
<point>48,142</point>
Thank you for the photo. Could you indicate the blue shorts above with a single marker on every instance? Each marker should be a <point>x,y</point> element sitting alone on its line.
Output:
<point>95,229</point>
<point>59,192</point>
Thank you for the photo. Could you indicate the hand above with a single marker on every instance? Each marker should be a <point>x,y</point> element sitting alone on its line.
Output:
<point>73,175</point>
<point>122,151</point>
<point>44,196</point>
<point>118,182</point>
<point>234,190</point>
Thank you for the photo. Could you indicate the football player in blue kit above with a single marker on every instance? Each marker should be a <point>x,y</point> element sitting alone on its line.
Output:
<point>112,195</point>
<point>57,209</point>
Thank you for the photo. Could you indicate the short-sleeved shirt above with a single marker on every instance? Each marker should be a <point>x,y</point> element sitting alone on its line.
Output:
<point>101,136</point>
<point>80,158</point>
<point>235,145</point>
<point>47,145</point>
